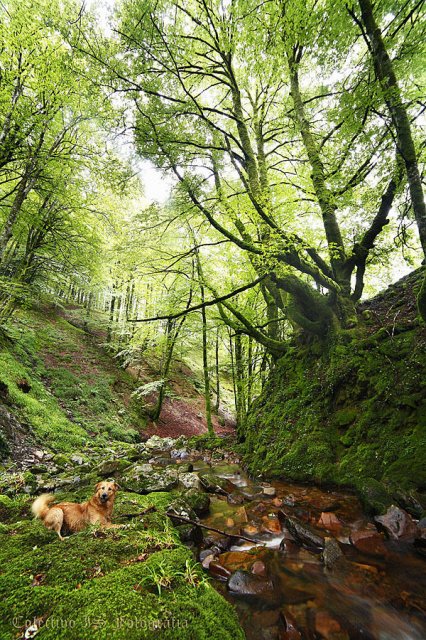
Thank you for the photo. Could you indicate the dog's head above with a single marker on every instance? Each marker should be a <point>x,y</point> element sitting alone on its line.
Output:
<point>105,491</point>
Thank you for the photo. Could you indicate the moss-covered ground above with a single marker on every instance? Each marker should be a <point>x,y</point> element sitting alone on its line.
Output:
<point>135,582</point>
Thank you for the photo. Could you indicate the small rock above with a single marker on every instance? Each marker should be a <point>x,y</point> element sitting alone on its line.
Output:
<point>332,554</point>
<point>246,584</point>
<point>398,524</point>
<point>207,560</point>
<point>368,541</point>
<point>190,480</point>
<point>329,521</point>
<point>269,491</point>
<point>259,568</point>
<point>302,533</point>
<point>218,571</point>
<point>235,498</point>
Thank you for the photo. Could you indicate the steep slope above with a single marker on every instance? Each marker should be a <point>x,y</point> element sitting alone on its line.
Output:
<point>60,389</point>
<point>353,412</point>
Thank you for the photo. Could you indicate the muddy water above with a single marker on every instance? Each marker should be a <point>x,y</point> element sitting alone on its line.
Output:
<point>286,590</point>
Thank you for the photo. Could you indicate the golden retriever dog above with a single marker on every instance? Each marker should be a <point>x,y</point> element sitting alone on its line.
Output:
<point>68,517</point>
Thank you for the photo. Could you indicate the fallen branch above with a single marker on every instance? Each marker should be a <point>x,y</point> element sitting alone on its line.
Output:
<point>203,526</point>
<point>136,515</point>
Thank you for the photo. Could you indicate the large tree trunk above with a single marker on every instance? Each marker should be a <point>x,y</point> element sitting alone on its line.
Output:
<point>392,95</point>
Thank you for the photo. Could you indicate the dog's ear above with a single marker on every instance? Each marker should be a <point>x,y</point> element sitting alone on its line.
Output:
<point>116,486</point>
<point>98,485</point>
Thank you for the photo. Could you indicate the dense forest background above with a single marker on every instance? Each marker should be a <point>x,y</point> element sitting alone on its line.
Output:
<point>289,141</point>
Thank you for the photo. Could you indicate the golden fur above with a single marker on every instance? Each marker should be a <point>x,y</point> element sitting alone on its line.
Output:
<point>68,517</point>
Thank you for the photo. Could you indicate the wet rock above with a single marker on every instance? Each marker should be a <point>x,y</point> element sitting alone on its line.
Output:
<point>218,571</point>
<point>277,502</point>
<point>220,543</point>
<point>332,554</point>
<point>271,524</point>
<point>302,533</point>
<point>289,546</point>
<point>247,584</point>
<point>138,480</point>
<point>289,500</point>
<point>214,484</point>
<point>207,560</point>
<point>328,627</point>
<point>235,498</point>
<point>77,459</point>
<point>110,467</point>
<point>368,541</point>
<point>329,521</point>
<point>252,493</point>
<point>251,530</point>
<point>398,524</point>
<point>259,568</point>
<point>199,502</point>
<point>234,560</point>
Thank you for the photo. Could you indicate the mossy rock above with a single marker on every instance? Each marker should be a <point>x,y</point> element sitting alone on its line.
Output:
<point>136,479</point>
<point>112,467</point>
<point>198,501</point>
<point>374,496</point>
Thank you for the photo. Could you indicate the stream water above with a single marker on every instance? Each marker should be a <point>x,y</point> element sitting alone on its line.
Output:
<point>370,587</point>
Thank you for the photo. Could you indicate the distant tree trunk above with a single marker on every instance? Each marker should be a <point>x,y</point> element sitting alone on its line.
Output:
<point>217,405</point>
<point>172,333</point>
<point>249,371</point>
<point>111,314</point>
<point>206,369</point>
<point>239,372</point>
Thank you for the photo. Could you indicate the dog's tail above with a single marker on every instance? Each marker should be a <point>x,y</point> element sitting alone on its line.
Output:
<point>40,505</point>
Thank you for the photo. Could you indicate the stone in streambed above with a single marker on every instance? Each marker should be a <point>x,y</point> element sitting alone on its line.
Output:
<point>398,524</point>
<point>302,533</point>
<point>235,498</point>
<point>247,584</point>
<point>189,480</point>
<point>329,521</point>
<point>269,491</point>
<point>214,484</point>
<point>219,571</point>
<point>259,568</point>
<point>368,541</point>
<point>332,555</point>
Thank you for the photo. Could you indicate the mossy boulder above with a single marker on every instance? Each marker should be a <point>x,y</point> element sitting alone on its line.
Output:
<point>112,467</point>
<point>374,496</point>
<point>137,479</point>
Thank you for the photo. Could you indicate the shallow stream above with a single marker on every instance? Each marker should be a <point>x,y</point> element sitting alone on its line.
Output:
<point>365,586</point>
